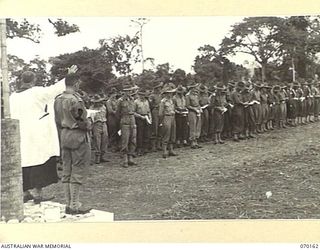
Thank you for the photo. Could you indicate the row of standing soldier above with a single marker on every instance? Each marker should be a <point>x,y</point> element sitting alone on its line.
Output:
<point>140,121</point>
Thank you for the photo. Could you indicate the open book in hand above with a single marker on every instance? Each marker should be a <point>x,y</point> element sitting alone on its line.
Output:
<point>205,106</point>
<point>148,119</point>
<point>223,110</point>
<point>119,132</point>
<point>91,112</point>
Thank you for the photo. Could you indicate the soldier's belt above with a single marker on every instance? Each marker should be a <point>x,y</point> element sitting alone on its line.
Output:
<point>99,121</point>
<point>169,114</point>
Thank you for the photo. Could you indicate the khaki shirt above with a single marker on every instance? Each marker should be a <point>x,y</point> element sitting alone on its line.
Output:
<point>166,107</point>
<point>155,100</point>
<point>179,102</point>
<point>193,101</point>
<point>125,110</point>
<point>236,98</point>
<point>219,101</point>
<point>69,108</point>
<point>204,100</point>
<point>142,107</point>
<point>256,95</point>
<point>111,106</point>
<point>101,115</point>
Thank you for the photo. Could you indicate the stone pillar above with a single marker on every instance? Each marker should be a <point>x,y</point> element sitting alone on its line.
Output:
<point>11,171</point>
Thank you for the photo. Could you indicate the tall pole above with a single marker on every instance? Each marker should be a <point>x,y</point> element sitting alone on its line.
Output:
<point>141,46</point>
<point>293,70</point>
<point>141,22</point>
<point>293,66</point>
<point>4,69</point>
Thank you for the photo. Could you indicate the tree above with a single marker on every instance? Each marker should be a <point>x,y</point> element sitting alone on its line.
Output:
<point>90,62</point>
<point>63,28</point>
<point>300,43</point>
<point>122,51</point>
<point>211,65</point>
<point>146,80</point>
<point>256,36</point>
<point>17,66</point>
<point>164,72</point>
<point>25,29</point>
<point>179,77</point>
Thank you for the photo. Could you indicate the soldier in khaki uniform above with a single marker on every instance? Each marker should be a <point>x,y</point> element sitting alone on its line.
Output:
<point>143,115</point>
<point>227,128</point>
<point>316,109</point>
<point>167,122</point>
<point>237,111</point>
<point>112,120</point>
<point>219,106</point>
<point>181,116</point>
<point>71,116</point>
<point>128,127</point>
<point>249,119</point>
<point>99,129</point>
<point>305,102</point>
<point>256,95</point>
<point>204,103</point>
<point>264,108</point>
<point>154,100</point>
<point>194,115</point>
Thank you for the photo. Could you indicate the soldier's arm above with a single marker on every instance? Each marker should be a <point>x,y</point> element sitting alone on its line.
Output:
<point>118,110</point>
<point>110,109</point>
<point>161,112</point>
<point>149,109</point>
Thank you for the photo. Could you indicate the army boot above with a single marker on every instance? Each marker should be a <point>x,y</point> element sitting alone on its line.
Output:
<point>130,161</point>
<point>125,161</point>
<point>215,140</point>
<point>219,139</point>
<point>75,205</point>
<point>164,150</point>
<point>235,137</point>
<point>171,152</point>
<point>67,195</point>
<point>97,159</point>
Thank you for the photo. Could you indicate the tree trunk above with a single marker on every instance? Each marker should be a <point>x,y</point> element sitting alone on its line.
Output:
<point>263,71</point>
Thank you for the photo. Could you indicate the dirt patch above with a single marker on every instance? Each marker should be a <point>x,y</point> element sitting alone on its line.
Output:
<point>227,181</point>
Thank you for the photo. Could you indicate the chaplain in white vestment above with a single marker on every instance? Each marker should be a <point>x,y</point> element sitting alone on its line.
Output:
<point>33,107</point>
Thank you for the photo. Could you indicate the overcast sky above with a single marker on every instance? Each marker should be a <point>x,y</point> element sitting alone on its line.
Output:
<point>167,39</point>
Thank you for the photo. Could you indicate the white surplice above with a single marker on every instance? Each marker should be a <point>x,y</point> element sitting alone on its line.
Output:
<point>38,132</point>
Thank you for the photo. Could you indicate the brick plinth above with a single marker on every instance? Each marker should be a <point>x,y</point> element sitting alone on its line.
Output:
<point>11,172</point>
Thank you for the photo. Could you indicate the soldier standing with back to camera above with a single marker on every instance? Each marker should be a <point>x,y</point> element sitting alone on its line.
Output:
<point>71,117</point>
